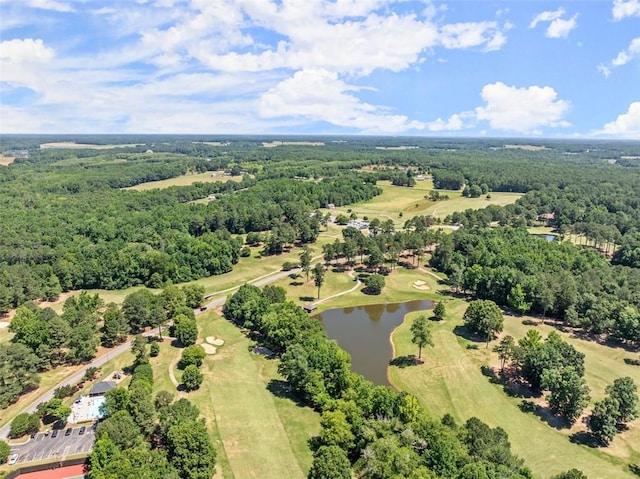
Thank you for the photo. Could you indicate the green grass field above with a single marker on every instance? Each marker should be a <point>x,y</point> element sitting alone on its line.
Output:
<point>255,432</point>
<point>450,380</point>
<point>410,202</point>
<point>185,180</point>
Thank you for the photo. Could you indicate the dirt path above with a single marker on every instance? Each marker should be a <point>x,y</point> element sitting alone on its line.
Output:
<point>358,284</point>
<point>172,375</point>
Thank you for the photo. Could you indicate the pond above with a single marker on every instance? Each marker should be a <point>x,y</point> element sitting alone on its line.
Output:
<point>365,333</point>
<point>547,237</point>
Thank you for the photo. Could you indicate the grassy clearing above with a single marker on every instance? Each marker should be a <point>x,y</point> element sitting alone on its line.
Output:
<point>256,432</point>
<point>185,180</point>
<point>409,202</point>
<point>450,380</point>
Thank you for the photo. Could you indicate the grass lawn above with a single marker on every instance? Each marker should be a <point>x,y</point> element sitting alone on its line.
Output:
<point>450,380</point>
<point>185,180</point>
<point>256,432</point>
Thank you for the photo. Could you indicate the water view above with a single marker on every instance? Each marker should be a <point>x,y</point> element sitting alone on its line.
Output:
<point>365,331</point>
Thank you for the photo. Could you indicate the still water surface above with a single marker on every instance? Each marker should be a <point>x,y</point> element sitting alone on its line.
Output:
<point>365,333</point>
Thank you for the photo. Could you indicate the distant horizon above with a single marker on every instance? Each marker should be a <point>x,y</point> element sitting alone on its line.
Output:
<point>562,69</point>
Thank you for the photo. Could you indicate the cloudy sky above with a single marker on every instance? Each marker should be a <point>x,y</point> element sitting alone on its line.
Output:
<point>458,68</point>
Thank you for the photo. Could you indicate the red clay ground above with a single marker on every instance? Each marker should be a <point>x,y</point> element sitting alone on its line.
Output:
<point>67,472</point>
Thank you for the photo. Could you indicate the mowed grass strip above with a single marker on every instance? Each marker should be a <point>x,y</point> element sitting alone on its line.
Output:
<point>450,380</point>
<point>260,435</point>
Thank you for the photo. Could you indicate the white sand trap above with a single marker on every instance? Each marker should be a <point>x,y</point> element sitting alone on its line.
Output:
<point>421,285</point>
<point>215,341</point>
<point>208,348</point>
<point>3,324</point>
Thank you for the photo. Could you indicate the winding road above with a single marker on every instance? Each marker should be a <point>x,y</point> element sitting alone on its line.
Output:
<point>117,351</point>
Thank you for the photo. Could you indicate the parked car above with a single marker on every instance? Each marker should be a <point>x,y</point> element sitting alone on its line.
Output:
<point>55,433</point>
<point>82,430</point>
<point>68,432</point>
<point>13,459</point>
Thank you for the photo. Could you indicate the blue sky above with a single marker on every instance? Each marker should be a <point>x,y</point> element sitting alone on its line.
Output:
<point>460,68</point>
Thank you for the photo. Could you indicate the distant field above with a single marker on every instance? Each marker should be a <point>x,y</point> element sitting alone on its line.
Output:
<point>450,380</point>
<point>6,160</point>
<point>185,180</point>
<point>78,146</point>
<point>400,203</point>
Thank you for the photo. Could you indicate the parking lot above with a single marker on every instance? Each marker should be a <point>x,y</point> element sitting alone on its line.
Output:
<point>45,446</point>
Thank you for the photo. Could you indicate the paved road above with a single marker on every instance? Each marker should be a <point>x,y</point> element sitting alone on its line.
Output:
<point>117,351</point>
<point>45,446</point>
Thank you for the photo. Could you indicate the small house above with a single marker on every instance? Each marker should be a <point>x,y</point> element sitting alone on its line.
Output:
<point>102,388</point>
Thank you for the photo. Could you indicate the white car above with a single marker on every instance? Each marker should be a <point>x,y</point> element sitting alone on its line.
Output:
<point>13,459</point>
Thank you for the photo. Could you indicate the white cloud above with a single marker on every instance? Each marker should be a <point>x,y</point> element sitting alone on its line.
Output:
<point>558,27</point>
<point>622,58</point>
<point>54,5</point>
<point>524,110</point>
<point>25,50</point>
<point>547,16</point>
<point>456,122</point>
<point>626,125</point>
<point>625,8</point>
<point>508,108</point>
<point>472,34</point>
<point>319,95</point>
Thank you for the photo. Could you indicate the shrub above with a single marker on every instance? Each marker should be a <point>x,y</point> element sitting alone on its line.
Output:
<point>154,350</point>
<point>64,391</point>
<point>288,266</point>
<point>192,378</point>
<point>90,374</point>
<point>373,284</point>
<point>245,252</point>
<point>193,354</point>
<point>24,423</point>
<point>5,450</point>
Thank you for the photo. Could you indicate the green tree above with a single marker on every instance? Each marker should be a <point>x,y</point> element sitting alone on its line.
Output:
<point>373,284</point>
<point>625,392</point>
<point>330,462</point>
<point>173,299</point>
<point>274,294</point>
<point>121,429</point>
<point>570,474</point>
<point>336,430</point>
<point>305,260</point>
<point>505,350</point>
<point>154,349</point>
<point>193,354</point>
<point>185,330</point>
<point>192,377</point>
<point>603,419</point>
<point>5,450</point>
<point>194,295</point>
<point>516,299</point>
<point>439,311</point>
<point>24,423</point>
<point>115,327</point>
<point>421,333</point>
<point>318,276</point>
<point>115,400</point>
<point>190,450</point>
<point>484,317</point>
<point>569,392</point>
<point>139,349</point>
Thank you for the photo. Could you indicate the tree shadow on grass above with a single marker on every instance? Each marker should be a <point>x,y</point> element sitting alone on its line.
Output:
<point>585,438</point>
<point>296,283</point>
<point>406,361</point>
<point>282,389</point>
<point>467,334</point>
<point>306,299</point>
<point>546,415</point>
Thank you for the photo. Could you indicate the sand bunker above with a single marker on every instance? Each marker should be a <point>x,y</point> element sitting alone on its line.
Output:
<point>215,341</point>
<point>208,348</point>
<point>421,285</point>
